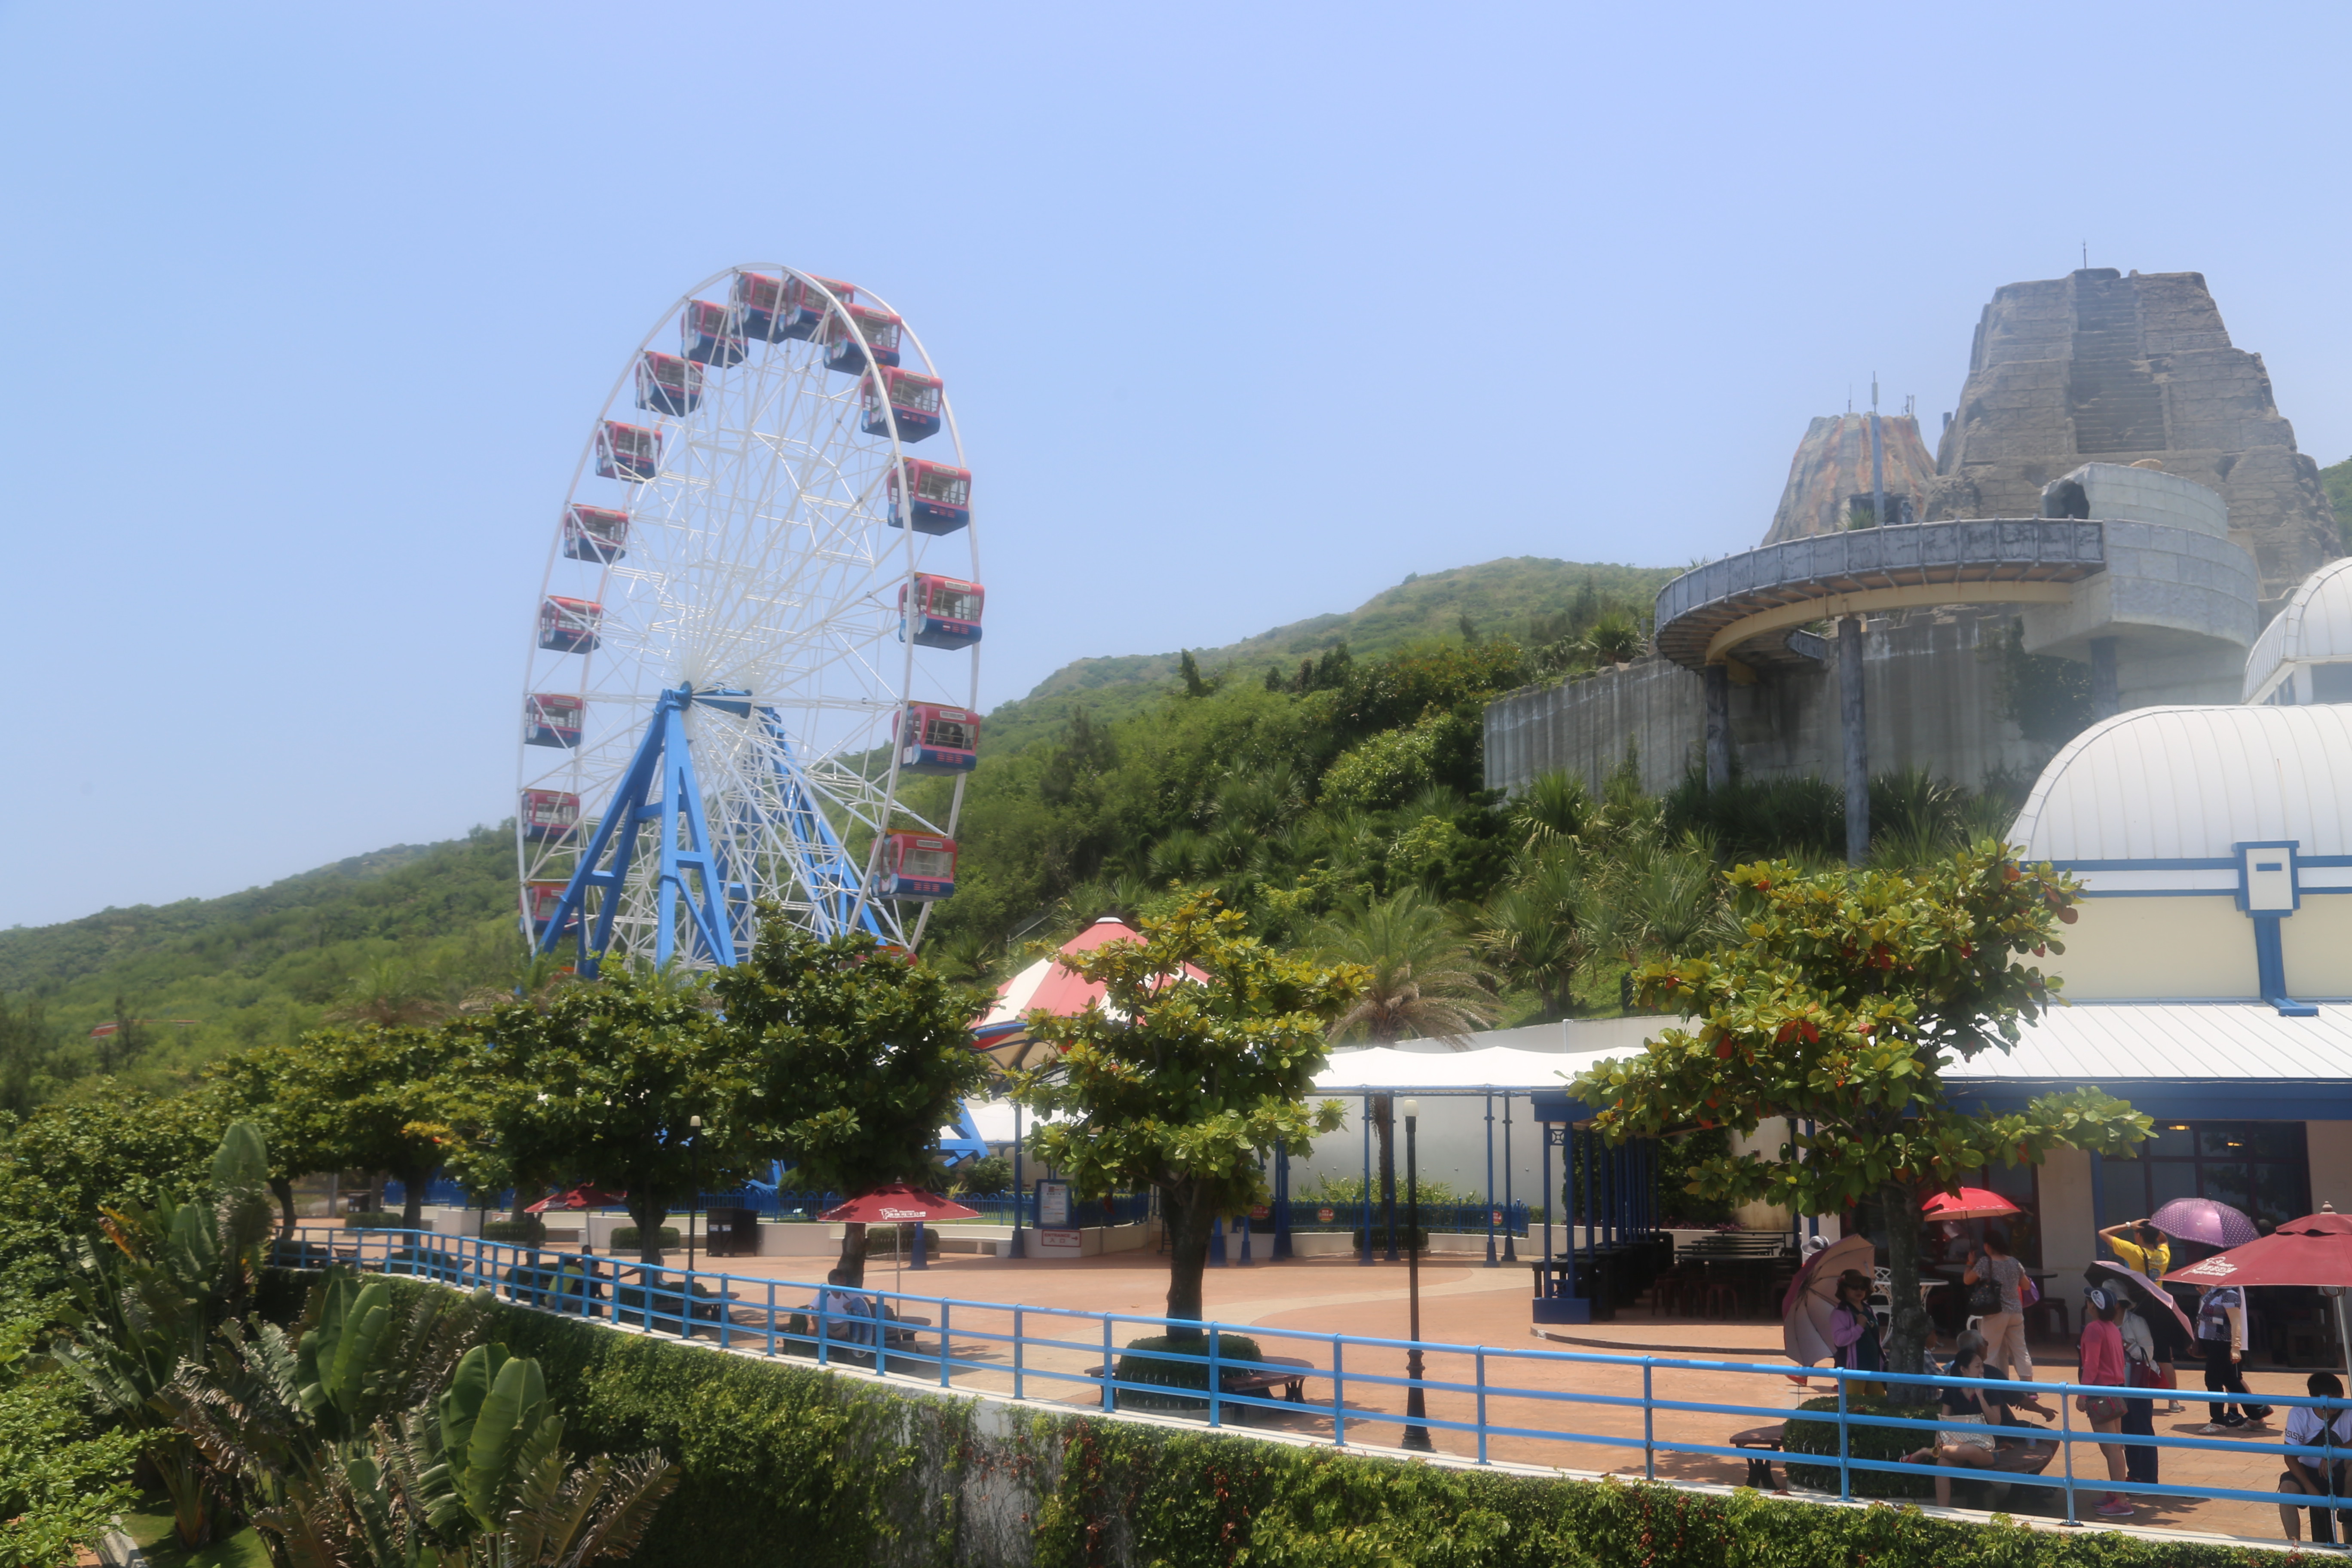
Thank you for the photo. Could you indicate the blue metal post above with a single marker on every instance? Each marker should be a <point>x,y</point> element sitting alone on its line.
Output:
<point>1015,1248</point>
<point>1510,1250</point>
<point>1243,1222</point>
<point>1217,1242</point>
<point>1367,1204</point>
<point>920,1260</point>
<point>1281,1248</point>
<point>1543,1163</point>
<point>1492,1261</point>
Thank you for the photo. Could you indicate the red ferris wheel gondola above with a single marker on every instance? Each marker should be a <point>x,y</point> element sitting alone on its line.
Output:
<point>916,866</point>
<point>941,612</point>
<point>551,720</point>
<point>934,498</point>
<point>914,400</point>
<point>595,533</point>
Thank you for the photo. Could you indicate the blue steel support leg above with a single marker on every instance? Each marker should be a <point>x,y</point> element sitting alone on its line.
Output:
<point>1281,1248</point>
<point>1492,1261</point>
<point>1367,1204</point>
<point>1510,1251</point>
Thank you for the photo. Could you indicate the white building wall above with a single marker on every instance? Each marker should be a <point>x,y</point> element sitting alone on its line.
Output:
<point>2330,1147</point>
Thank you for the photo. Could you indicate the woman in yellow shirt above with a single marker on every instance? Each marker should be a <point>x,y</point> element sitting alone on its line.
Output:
<point>2146,1252</point>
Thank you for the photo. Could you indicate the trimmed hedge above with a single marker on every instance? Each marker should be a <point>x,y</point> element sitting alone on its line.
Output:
<point>372,1220</point>
<point>530,1232</point>
<point>1136,1365</point>
<point>783,1464</point>
<point>1887,1443</point>
<point>625,1239</point>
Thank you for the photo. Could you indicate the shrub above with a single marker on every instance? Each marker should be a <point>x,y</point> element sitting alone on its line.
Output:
<point>1138,1365</point>
<point>625,1239</point>
<point>372,1220</point>
<point>531,1232</point>
<point>1887,1443</point>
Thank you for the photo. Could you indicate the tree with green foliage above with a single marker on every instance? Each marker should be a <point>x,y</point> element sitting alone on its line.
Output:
<point>1182,1083</point>
<point>1842,1006</point>
<point>373,1098</point>
<point>856,1056</point>
<point>603,1082</point>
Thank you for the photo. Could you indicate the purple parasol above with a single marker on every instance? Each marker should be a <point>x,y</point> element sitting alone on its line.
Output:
<point>2204,1219</point>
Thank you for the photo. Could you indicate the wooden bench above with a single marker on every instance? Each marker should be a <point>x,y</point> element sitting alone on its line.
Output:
<point>1287,1373</point>
<point>1765,1440</point>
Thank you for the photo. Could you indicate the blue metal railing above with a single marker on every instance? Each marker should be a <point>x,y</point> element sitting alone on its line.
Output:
<point>1015,1347</point>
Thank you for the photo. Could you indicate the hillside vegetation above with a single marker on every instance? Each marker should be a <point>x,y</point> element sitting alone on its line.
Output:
<point>1330,791</point>
<point>1507,597</point>
<point>407,928</point>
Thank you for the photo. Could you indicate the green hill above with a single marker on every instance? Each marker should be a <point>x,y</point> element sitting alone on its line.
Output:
<point>418,927</point>
<point>1509,597</point>
<point>195,978</point>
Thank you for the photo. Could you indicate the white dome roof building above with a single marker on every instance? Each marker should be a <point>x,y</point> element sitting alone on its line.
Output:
<point>2214,845</point>
<point>2304,655</point>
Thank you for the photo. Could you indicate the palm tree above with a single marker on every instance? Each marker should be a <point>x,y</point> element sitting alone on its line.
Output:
<point>1536,929</point>
<point>387,992</point>
<point>1421,984</point>
<point>1658,900</point>
<point>1554,808</point>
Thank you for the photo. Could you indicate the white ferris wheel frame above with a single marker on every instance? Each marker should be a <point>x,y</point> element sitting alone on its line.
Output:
<point>740,780</point>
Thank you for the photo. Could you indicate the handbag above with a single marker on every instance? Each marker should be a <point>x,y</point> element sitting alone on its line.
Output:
<point>1984,1299</point>
<point>2099,1406</point>
<point>2028,1292</point>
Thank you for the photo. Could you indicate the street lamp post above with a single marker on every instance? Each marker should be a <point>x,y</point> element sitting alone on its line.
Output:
<point>693,1182</point>
<point>1416,1435</point>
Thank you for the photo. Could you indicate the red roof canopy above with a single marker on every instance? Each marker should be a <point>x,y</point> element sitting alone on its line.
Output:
<point>1046,986</point>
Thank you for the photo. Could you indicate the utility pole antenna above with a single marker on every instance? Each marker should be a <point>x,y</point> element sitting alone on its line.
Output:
<point>2086,256</point>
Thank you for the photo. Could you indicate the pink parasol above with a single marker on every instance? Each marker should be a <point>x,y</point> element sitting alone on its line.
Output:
<point>584,1196</point>
<point>1968,1202</point>
<point>2208,1220</point>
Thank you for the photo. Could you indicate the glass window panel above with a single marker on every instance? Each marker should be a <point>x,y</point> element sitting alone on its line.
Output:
<point>2170,1138</point>
<point>2228,1139</point>
<point>2167,1180</point>
<point>2280,1193</point>
<point>2231,1183</point>
<point>931,864</point>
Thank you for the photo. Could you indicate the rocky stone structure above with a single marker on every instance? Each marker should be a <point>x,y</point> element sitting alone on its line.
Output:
<point>2121,367</point>
<point>1831,469</point>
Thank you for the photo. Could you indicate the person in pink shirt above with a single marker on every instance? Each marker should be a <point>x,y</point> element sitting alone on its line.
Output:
<point>2102,1365</point>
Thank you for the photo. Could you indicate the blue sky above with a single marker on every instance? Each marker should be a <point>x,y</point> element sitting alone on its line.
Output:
<point>1247,311</point>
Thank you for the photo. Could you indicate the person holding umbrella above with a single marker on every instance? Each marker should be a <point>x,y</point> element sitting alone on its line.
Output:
<point>2103,1365</point>
<point>2144,1249</point>
<point>1996,1277</point>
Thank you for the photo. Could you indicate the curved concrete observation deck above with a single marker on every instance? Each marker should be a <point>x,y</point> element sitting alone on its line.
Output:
<point>1708,612</point>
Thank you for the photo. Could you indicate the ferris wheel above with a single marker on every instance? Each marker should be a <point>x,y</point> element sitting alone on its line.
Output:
<point>755,645</point>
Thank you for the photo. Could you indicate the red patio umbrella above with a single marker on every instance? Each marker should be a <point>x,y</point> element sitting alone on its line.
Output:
<point>584,1196</point>
<point>897,1203</point>
<point>2313,1250</point>
<point>1968,1202</point>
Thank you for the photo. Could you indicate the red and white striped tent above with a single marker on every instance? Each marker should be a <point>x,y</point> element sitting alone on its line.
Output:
<point>1002,1031</point>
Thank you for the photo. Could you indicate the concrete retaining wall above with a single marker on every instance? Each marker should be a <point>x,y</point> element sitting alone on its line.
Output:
<point>1929,683</point>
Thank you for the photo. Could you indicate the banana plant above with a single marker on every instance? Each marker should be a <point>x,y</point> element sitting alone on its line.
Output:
<point>148,1300</point>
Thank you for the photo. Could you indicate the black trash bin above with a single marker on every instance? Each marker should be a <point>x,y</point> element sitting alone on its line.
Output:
<point>733,1233</point>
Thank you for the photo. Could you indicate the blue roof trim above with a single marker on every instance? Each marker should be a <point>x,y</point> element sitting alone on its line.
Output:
<point>2257,1099</point>
<point>2175,892</point>
<point>2156,865</point>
